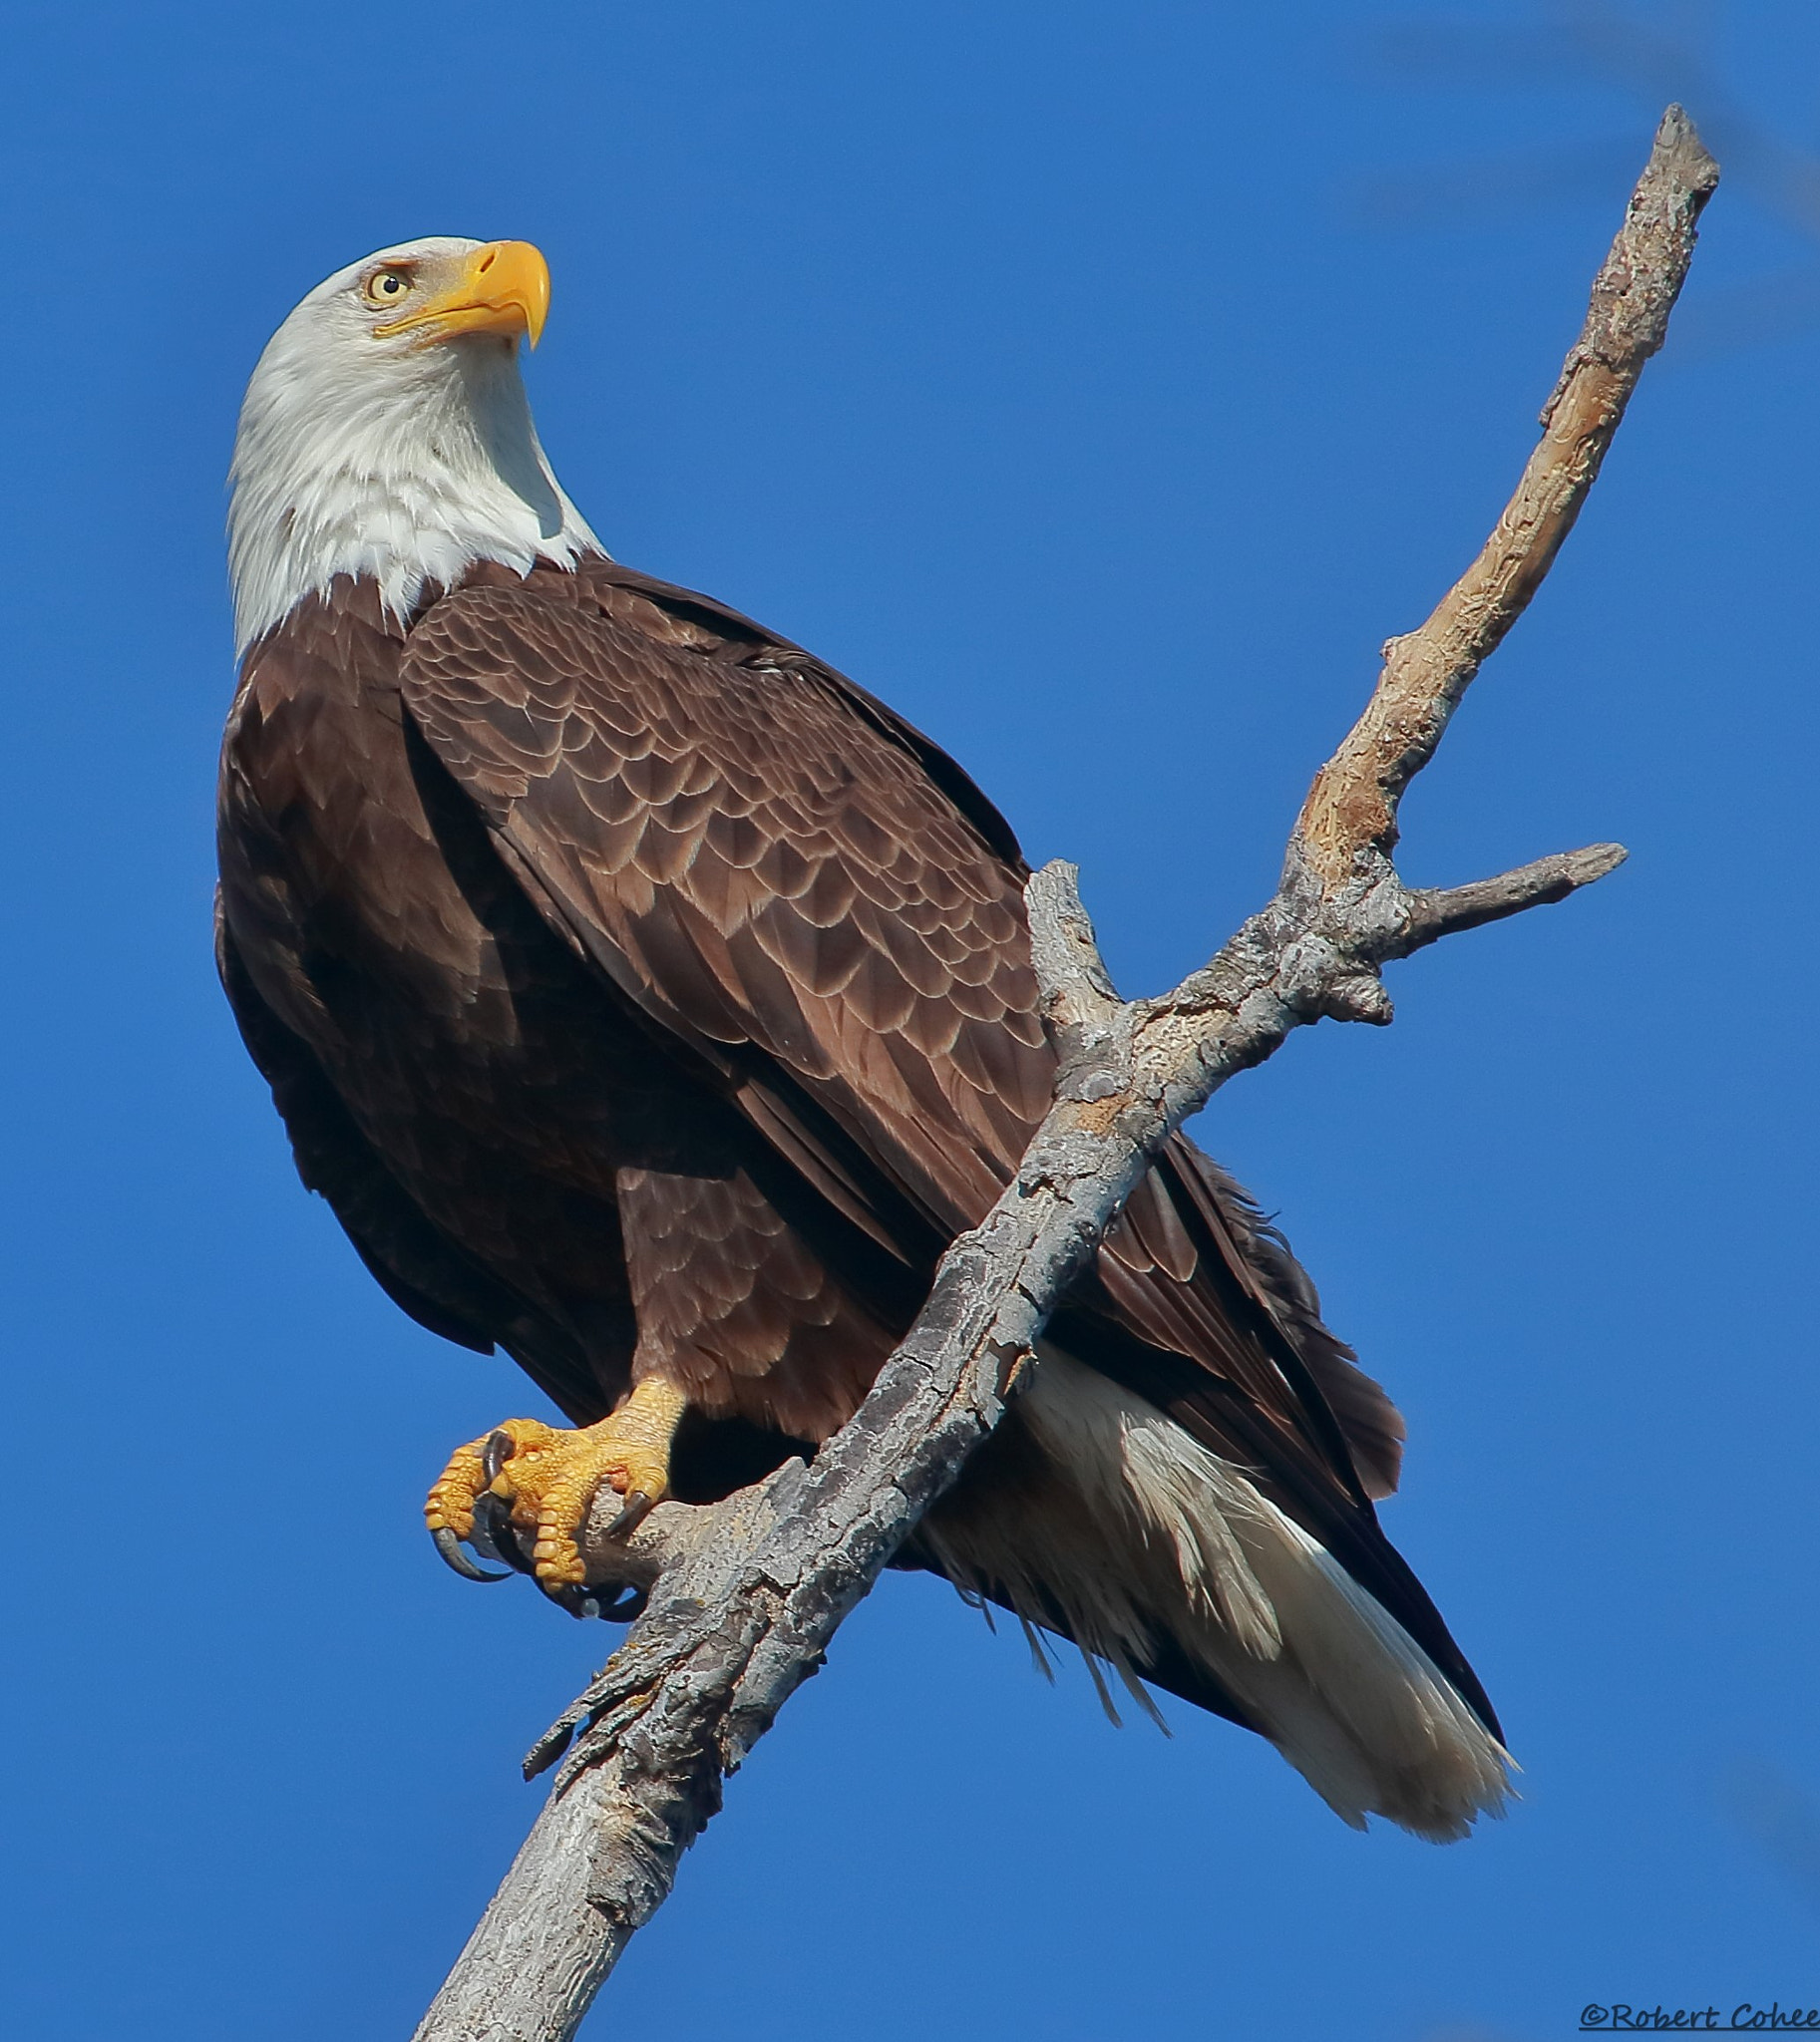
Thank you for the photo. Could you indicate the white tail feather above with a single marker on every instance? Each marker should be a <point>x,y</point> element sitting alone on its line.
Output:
<point>1132,1528</point>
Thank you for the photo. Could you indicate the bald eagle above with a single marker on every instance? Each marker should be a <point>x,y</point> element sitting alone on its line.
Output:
<point>652,1003</point>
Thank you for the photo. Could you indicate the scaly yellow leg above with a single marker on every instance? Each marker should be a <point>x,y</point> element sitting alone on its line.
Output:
<point>549,1477</point>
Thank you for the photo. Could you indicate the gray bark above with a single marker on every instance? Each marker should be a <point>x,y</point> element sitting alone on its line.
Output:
<point>746,1597</point>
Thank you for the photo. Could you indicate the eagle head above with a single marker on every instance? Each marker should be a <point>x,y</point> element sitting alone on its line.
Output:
<point>386,433</point>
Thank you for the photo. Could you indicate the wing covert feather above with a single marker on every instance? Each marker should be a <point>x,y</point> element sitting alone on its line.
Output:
<point>757,868</point>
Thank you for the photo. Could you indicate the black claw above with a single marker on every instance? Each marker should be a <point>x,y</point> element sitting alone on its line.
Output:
<point>494,1517</point>
<point>639,1507</point>
<point>451,1549</point>
<point>495,1454</point>
<point>621,1604</point>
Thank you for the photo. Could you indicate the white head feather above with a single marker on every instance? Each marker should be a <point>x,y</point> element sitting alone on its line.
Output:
<point>371,455</point>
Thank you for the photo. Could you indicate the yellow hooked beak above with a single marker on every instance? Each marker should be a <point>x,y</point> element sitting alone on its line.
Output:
<point>503,288</point>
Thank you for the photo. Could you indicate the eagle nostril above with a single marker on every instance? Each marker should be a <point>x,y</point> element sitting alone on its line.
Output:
<point>486,262</point>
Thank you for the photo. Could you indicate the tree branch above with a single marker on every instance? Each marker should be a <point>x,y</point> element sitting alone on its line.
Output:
<point>1354,798</point>
<point>746,1596</point>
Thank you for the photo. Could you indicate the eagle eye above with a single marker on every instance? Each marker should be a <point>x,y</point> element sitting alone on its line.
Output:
<point>387,287</point>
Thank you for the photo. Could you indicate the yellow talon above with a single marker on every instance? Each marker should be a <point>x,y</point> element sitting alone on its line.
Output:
<point>549,1477</point>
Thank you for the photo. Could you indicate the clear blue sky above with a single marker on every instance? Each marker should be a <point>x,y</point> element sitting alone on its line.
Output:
<point>1101,385</point>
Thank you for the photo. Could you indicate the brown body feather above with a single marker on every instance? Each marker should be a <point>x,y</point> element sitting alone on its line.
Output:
<point>646,998</point>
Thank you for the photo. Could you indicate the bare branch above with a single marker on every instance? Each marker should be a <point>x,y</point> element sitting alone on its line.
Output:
<point>1435,912</point>
<point>744,1598</point>
<point>1354,799</point>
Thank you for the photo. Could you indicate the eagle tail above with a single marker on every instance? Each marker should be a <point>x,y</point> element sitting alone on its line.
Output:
<point>1105,1521</point>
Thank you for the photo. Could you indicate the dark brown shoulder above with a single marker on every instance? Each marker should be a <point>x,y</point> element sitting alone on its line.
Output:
<point>311,739</point>
<point>343,637</point>
<point>333,658</point>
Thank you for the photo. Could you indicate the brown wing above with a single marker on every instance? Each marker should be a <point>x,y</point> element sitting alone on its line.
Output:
<point>418,1264</point>
<point>806,894</point>
<point>761,867</point>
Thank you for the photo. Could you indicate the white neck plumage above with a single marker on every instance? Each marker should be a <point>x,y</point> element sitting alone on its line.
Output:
<point>408,477</point>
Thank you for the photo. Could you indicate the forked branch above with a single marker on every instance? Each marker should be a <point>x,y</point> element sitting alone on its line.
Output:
<point>746,1597</point>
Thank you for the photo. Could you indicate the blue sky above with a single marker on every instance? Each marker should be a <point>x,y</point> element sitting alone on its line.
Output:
<point>1101,386</point>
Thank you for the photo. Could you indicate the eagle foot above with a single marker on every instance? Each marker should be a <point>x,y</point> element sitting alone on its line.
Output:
<point>529,1483</point>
